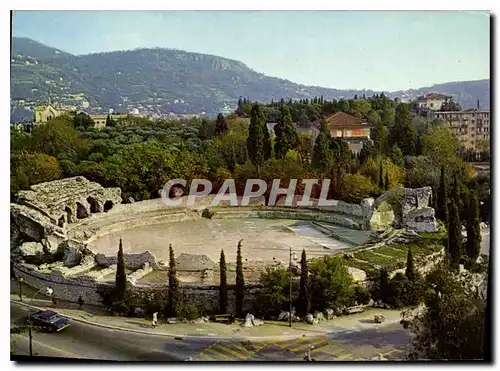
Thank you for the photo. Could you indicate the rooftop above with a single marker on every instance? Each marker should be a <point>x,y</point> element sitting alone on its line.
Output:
<point>429,96</point>
<point>343,120</point>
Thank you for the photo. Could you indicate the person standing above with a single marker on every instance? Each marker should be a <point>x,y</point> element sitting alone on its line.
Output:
<point>154,323</point>
<point>80,302</point>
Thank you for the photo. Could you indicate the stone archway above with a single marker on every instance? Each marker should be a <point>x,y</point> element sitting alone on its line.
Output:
<point>61,221</point>
<point>94,205</point>
<point>108,205</point>
<point>81,211</point>
<point>69,214</point>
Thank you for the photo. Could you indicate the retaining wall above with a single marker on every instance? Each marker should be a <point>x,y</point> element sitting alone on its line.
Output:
<point>69,289</point>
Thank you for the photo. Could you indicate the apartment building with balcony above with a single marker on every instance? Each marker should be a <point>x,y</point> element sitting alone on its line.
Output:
<point>470,126</point>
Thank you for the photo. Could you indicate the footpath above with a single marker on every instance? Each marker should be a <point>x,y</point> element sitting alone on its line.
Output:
<point>98,316</point>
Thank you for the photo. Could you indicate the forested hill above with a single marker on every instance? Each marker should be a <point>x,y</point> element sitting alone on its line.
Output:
<point>153,80</point>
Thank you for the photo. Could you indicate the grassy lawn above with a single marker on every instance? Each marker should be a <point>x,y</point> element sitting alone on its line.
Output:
<point>364,266</point>
<point>424,249</point>
<point>388,250</point>
<point>373,258</point>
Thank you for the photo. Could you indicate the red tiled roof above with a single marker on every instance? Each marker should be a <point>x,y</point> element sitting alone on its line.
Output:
<point>343,120</point>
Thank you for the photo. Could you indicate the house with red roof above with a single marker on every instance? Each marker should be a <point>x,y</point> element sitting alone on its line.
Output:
<point>353,130</point>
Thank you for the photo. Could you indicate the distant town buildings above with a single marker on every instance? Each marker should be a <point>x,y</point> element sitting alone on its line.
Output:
<point>45,113</point>
<point>100,120</point>
<point>431,101</point>
<point>353,130</point>
<point>470,126</point>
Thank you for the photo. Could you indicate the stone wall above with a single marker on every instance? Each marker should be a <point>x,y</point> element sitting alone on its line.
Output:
<point>69,199</point>
<point>298,214</point>
<point>65,288</point>
<point>138,274</point>
<point>132,261</point>
<point>204,297</point>
<point>70,288</point>
<point>87,263</point>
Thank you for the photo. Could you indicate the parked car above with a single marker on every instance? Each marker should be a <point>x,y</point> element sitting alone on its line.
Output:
<point>49,320</point>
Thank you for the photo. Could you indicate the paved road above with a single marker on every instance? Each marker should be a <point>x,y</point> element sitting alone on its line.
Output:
<point>390,340</point>
<point>92,342</point>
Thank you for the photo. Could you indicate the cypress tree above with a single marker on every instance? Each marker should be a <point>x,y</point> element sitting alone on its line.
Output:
<point>286,136</point>
<point>454,235</point>
<point>121,275</point>
<point>221,124</point>
<point>223,284</point>
<point>173,285</point>
<point>256,137</point>
<point>381,176</point>
<point>240,282</point>
<point>108,120</point>
<point>383,284</point>
<point>410,269</point>
<point>473,246</point>
<point>418,147</point>
<point>267,148</point>
<point>442,198</point>
<point>241,107</point>
<point>304,303</point>
<point>386,184</point>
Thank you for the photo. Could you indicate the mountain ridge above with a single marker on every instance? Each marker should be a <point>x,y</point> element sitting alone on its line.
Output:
<point>160,80</point>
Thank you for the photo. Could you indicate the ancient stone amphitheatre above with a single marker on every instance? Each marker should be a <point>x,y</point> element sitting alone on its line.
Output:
<point>80,223</point>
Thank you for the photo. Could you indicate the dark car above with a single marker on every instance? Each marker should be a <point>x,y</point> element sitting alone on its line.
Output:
<point>49,320</point>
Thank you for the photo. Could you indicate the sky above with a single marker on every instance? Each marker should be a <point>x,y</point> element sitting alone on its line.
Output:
<point>377,50</point>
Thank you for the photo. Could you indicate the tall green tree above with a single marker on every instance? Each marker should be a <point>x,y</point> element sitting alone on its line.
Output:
<point>304,300</point>
<point>455,248</point>
<point>321,153</point>
<point>402,133</point>
<point>442,198</point>
<point>240,282</point>
<point>173,285</point>
<point>121,275</point>
<point>451,325</point>
<point>286,135</point>
<point>257,137</point>
<point>383,285</point>
<point>410,268</point>
<point>397,156</point>
<point>223,283</point>
<point>473,246</point>
<point>221,125</point>
<point>321,158</point>
<point>381,176</point>
<point>240,110</point>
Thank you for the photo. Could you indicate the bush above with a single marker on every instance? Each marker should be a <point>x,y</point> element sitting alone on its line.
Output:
<point>397,293</point>
<point>186,310</point>
<point>361,294</point>
<point>275,293</point>
<point>331,283</point>
<point>357,187</point>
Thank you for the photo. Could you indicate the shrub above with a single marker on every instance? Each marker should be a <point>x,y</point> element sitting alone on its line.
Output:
<point>357,187</point>
<point>331,283</point>
<point>361,294</point>
<point>187,310</point>
<point>275,293</point>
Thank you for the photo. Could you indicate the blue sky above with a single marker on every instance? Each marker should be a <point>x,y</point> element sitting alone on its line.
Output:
<point>373,50</point>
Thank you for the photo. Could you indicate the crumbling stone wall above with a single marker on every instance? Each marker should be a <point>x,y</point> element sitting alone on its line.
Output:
<point>68,200</point>
<point>70,288</point>
<point>410,207</point>
<point>133,261</point>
